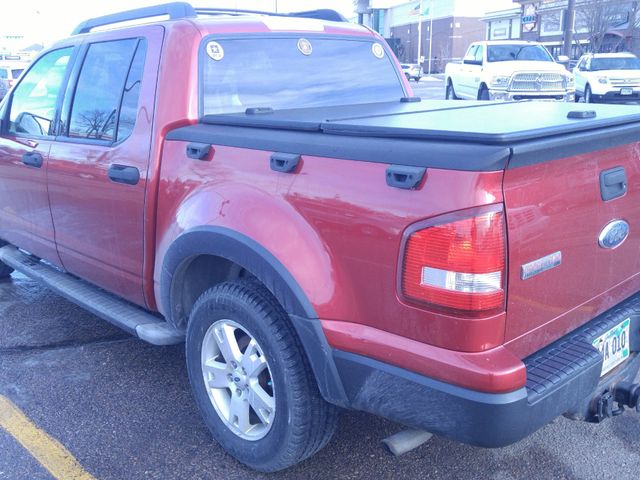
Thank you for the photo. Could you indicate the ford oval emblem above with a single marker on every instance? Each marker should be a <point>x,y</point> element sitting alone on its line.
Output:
<point>613,234</point>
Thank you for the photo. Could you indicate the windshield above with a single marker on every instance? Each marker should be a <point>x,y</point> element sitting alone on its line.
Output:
<point>506,53</point>
<point>621,63</point>
<point>295,73</point>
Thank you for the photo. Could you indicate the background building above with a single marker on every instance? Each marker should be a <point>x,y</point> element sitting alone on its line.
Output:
<point>448,26</point>
<point>599,25</point>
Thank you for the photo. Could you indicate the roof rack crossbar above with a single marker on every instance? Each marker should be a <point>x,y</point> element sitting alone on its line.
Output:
<point>174,10</point>
<point>321,14</point>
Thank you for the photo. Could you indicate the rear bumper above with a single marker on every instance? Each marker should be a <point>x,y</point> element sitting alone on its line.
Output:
<point>563,378</point>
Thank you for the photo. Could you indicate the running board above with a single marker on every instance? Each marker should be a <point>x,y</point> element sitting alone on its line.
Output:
<point>122,314</point>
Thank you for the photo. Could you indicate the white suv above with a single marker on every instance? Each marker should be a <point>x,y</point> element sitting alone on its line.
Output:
<point>608,77</point>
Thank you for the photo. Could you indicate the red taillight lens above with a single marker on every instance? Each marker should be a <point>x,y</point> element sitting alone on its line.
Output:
<point>458,265</point>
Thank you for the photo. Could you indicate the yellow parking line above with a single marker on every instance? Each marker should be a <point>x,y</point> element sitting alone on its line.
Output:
<point>47,450</point>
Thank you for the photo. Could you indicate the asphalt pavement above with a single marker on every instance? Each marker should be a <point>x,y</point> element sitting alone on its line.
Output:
<point>123,409</point>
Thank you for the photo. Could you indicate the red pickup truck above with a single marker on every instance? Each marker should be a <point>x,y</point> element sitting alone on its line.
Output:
<point>266,189</point>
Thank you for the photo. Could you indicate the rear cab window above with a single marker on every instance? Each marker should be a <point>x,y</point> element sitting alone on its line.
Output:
<point>294,71</point>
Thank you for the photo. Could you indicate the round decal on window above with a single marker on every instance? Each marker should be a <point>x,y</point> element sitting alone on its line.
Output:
<point>378,50</point>
<point>215,51</point>
<point>304,46</point>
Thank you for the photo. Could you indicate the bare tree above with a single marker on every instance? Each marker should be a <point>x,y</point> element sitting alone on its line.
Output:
<point>599,17</point>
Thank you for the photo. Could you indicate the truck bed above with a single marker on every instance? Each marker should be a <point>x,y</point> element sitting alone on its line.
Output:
<point>421,134</point>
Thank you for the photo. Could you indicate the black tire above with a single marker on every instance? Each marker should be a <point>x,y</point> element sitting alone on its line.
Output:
<point>450,93</point>
<point>5,270</point>
<point>483,93</point>
<point>588,97</point>
<point>303,421</point>
<point>408,77</point>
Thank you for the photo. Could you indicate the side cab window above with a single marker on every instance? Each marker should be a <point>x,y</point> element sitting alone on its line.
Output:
<point>471,53</point>
<point>33,103</point>
<point>479,54</point>
<point>105,102</point>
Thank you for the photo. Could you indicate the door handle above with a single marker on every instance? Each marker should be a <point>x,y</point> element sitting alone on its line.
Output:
<point>32,159</point>
<point>613,183</point>
<point>124,174</point>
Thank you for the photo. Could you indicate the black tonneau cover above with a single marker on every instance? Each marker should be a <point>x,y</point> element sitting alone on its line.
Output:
<point>461,135</point>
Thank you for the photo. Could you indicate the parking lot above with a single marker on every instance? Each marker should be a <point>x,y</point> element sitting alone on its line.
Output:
<point>94,402</point>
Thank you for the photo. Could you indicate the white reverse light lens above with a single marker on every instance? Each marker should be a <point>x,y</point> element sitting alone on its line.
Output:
<point>462,282</point>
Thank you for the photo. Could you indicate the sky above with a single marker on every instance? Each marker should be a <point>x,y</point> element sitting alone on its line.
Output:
<point>49,20</point>
<point>45,21</point>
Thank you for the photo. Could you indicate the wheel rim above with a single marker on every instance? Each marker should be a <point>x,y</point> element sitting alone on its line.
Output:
<point>238,380</point>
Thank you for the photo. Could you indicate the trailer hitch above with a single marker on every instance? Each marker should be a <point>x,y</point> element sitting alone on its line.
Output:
<point>624,394</point>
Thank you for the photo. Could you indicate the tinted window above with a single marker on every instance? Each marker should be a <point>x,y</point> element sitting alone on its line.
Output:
<point>274,72</point>
<point>4,73</point>
<point>479,53</point>
<point>505,53</point>
<point>99,90</point>
<point>33,102</point>
<point>472,51</point>
<point>16,72</point>
<point>129,107</point>
<point>619,63</point>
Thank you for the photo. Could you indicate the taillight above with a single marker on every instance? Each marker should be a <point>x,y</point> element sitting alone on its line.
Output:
<point>458,265</point>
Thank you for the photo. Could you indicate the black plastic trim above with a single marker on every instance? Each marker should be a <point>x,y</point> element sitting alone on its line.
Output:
<point>175,11</point>
<point>394,151</point>
<point>563,146</point>
<point>253,257</point>
<point>476,418</point>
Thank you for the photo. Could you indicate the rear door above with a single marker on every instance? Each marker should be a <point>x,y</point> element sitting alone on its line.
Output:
<point>99,164</point>
<point>557,213</point>
<point>28,125</point>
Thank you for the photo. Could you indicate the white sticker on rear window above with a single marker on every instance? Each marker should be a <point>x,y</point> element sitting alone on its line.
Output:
<point>215,51</point>
<point>304,46</point>
<point>377,50</point>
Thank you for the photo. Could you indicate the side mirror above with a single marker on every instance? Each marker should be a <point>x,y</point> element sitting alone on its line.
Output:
<point>563,59</point>
<point>471,61</point>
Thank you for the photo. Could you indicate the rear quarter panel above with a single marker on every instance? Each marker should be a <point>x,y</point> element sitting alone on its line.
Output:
<point>334,224</point>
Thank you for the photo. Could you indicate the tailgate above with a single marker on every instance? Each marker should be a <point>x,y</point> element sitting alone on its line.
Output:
<point>557,206</point>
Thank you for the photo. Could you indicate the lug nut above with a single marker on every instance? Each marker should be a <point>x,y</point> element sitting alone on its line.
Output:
<point>234,364</point>
<point>238,392</point>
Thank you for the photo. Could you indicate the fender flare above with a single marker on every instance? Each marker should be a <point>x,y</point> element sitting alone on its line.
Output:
<point>253,257</point>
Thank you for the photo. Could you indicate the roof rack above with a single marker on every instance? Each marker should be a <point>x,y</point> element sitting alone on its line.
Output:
<point>175,10</point>
<point>178,10</point>
<point>321,14</point>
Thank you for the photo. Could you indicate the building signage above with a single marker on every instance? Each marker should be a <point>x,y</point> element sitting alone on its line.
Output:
<point>529,17</point>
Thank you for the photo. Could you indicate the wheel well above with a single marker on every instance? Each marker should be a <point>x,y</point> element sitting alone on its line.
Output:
<point>193,277</point>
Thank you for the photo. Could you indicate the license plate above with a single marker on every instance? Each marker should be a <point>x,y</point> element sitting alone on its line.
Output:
<point>626,91</point>
<point>614,346</point>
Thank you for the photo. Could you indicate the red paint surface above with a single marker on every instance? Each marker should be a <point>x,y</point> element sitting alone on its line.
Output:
<point>335,225</point>
<point>496,370</point>
<point>556,206</point>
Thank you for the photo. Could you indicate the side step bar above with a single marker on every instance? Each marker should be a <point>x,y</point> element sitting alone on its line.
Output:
<point>122,314</point>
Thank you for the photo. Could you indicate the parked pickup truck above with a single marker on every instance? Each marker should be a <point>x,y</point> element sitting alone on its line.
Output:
<point>508,70</point>
<point>327,241</point>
